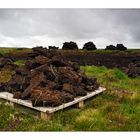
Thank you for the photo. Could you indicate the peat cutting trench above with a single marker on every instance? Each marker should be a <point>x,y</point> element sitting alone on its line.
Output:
<point>128,61</point>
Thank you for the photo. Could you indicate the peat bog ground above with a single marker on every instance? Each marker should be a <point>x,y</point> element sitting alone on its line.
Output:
<point>117,109</point>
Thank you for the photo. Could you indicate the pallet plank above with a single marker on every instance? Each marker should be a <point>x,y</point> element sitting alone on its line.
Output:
<point>80,100</point>
<point>45,116</point>
<point>81,104</point>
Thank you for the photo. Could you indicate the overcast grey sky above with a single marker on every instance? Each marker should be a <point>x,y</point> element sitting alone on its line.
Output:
<point>31,27</point>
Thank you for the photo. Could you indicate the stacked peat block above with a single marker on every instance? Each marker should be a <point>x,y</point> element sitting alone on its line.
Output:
<point>133,69</point>
<point>48,80</point>
<point>7,63</point>
<point>89,46</point>
<point>110,47</point>
<point>53,47</point>
<point>70,46</point>
<point>2,87</point>
<point>119,47</point>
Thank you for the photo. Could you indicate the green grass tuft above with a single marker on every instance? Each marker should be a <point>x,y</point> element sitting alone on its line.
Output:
<point>5,75</point>
<point>20,62</point>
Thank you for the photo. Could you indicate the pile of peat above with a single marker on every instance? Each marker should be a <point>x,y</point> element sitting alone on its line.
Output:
<point>48,80</point>
<point>133,69</point>
<point>7,63</point>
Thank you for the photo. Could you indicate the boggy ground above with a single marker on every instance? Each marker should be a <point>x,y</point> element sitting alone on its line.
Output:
<point>117,109</point>
<point>107,58</point>
<point>128,61</point>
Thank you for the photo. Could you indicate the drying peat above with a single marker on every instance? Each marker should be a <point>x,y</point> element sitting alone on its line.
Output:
<point>89,46</point>
<point>133,69</point>
<point>47,79</point>
<point>120,47</point>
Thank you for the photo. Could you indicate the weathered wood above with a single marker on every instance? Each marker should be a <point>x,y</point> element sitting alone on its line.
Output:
<point>81,104</point>
<point>11,104</point>
<point>46,111</point>
<point>45,116</point>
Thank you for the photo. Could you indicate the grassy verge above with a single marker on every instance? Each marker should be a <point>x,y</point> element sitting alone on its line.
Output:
<point>117,109</point>
<point>6,50</point>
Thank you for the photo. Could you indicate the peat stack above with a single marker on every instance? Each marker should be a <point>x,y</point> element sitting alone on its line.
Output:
<point>70,46</point>
<point>7,63</point>
<point>89,46</point>
<point>133,69</point>
<point>48,80</point>
<point>121,47</point>
<point>53,47</point>
<point>110,47</point>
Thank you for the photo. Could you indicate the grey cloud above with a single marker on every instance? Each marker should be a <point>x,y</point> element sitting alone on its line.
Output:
<point>25,27</point>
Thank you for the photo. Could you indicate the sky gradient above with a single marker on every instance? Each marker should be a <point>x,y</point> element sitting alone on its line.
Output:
<point>32,27</point>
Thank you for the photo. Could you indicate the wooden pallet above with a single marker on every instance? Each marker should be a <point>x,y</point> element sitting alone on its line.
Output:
<point>46,112</point>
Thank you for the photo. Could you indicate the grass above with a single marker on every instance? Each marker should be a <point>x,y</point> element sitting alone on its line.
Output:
<point>6,50</point>
<point>117,109</point>
<point>20,62</point>
<point>5,75</point>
